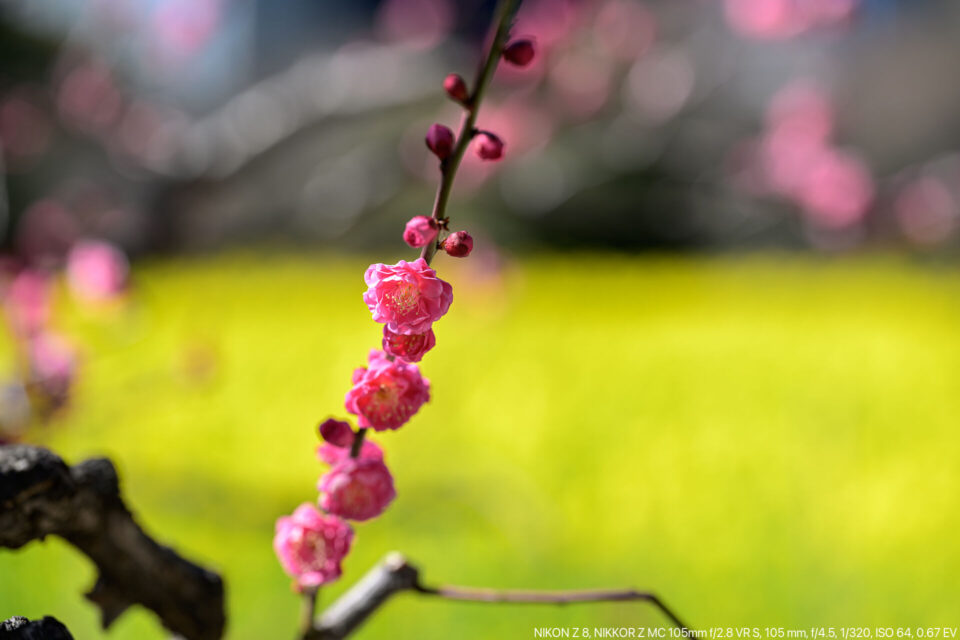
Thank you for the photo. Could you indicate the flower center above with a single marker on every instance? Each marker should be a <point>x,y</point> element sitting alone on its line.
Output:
<point>404,298</point>
<point>313,551</point>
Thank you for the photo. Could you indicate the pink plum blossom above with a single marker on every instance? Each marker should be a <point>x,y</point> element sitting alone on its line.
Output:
<point>53,364</point>
<point>332,454</point>
<point>386,394</point>
<point>838,190</point>
<point>420,231</point>
<point>311,545</point>
<point>408,297</point>
<point>357,489</point>
<point>27,302</point>
<point>409,348</point>
<point>97,270</point>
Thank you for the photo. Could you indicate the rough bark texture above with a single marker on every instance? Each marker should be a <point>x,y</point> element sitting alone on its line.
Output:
<point>18,628</point>
<point>395,575</point>
<point>343,617</point>
<point>40,495</point>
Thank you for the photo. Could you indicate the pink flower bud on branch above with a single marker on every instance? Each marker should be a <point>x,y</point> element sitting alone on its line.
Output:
<point>456,88</point>
<point>488,146</point>
<point>440,140</point>
<point>336,432</point>
<point>520,53</point>
<point>420,231</point>
<point>459,244</point>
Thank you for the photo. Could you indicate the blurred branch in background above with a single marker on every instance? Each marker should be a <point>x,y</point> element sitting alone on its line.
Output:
<point>665,120</point>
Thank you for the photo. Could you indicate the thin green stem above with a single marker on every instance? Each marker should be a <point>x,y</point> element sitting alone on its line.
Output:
<point>505,12</point>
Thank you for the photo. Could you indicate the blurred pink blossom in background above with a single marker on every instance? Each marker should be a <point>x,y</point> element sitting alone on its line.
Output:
<point>53,363</point>
<point>97,270</point>
<point>25,127</point>
<point>418,24</point>
<point>27,302</point>
<point>88,97</point>
<point>927,212</point>
<point>780,19</point>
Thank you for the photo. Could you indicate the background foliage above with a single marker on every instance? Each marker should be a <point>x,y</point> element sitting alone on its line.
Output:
<point>761,440</point>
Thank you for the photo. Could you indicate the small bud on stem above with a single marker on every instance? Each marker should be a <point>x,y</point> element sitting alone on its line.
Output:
<point>456,88</point>
<point>520,53</point>
<point>440,140</point>
<point>488,146</point>
<point>459,244</point>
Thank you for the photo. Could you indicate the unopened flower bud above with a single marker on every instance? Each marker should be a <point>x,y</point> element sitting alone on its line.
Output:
<point>420,231</point>
<point>440,140</point>
<point>459,244</point>
<point>488,146</point>
<point>456,88</point>
<point>336,432</point>
<point>519,53</point>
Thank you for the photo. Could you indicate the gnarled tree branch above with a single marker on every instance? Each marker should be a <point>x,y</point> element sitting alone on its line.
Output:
<point>395,575</point>
<point>40,495</point>
<point>47,628</point>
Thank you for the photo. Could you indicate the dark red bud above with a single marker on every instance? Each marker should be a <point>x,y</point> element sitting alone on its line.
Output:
<point>459,244</point>
<point>456,88</point>
<point>336,432</point>
<point>440,140</point>
<point>519,53</point>
<point>488,146</point>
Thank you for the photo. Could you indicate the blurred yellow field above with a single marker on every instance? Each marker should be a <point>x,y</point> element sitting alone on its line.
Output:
<point>766,441</point>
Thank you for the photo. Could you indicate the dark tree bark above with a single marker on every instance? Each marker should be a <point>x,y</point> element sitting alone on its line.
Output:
<point>19,628</point>
<point>40,495</point>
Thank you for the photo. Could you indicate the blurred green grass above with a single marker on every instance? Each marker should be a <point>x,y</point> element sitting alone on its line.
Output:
<point>762,441</point>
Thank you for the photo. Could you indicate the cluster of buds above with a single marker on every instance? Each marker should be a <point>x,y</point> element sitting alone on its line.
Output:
<point>407,298</point>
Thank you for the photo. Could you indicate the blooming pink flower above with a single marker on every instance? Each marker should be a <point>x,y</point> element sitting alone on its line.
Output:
<point>488,146</point>
<point>311,545</point>
<point>458,244</point>
<point>420,231</point>
<point>408,297</point>
<point>336,432</point>
<point>440,140</point>
<point>27,302</point>
<point>388,393</point>
<point>409,348</point>
<point>332,454</point>
<point>357,489</point>
<point>97,270</point>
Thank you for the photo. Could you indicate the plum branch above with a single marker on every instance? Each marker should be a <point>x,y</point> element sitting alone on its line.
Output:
<point>396,575</point>
<point>505,12</point>
<point>40,495</point>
